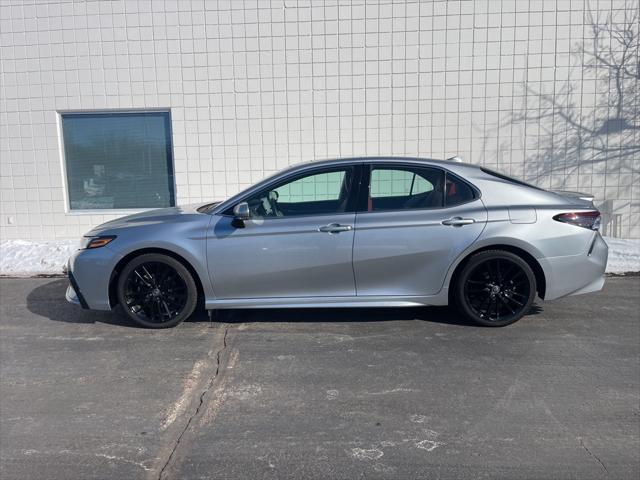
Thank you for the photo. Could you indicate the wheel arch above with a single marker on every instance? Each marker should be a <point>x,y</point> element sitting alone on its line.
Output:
<point>541,282</point>
<point>115,273</point>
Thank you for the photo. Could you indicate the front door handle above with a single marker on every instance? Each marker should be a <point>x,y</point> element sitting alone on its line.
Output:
<point>335,228</point>
<point>458,221</point>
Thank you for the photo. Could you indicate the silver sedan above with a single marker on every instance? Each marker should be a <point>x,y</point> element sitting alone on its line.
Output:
<point>365,232</point>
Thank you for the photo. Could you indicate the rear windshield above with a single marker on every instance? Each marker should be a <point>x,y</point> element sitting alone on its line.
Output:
<point>509,179</point>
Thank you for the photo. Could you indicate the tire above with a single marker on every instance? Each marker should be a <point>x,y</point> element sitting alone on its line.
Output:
<point>157,291</point>
<point>495,288</point>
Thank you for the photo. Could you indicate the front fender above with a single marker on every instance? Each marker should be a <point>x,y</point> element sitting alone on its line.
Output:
<point>187,240</point>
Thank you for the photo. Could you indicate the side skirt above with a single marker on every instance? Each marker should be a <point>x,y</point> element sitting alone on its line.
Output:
<point>331,302</point>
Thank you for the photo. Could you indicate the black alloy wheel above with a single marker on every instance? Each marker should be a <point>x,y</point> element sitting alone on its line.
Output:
<point>157,291</point>
<point>496,288</point>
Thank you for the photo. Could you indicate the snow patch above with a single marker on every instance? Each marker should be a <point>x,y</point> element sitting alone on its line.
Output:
<point>25,258</point>
<point>624,255</point>
<point>363,454</point>
<point>245,392</point>
<point>332,394</point>
<point>428,445</point>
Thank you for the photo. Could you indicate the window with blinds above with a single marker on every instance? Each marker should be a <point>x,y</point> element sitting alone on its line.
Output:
<point>118,160</point>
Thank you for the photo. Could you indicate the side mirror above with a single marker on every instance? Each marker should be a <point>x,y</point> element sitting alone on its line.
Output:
<point>241,213</point>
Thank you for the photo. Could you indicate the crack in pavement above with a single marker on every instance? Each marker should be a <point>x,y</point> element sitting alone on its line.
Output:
<point>203,394</point>
<point>591,454</point>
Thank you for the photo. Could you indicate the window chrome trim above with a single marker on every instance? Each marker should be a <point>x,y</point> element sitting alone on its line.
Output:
<point>357,161</point>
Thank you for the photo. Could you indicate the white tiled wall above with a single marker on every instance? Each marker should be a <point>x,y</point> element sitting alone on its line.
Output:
<point>254,86</point>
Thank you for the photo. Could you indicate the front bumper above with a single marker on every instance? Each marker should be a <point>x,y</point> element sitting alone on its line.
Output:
<point>89,273</point>
<point>73,294</point>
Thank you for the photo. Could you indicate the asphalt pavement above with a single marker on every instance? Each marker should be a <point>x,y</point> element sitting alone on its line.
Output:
<point>345,394</point>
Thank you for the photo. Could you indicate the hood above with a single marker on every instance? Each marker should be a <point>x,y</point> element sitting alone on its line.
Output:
<point>183,213</point>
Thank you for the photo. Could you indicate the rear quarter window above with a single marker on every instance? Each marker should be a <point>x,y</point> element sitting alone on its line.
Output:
<point>457,191</point>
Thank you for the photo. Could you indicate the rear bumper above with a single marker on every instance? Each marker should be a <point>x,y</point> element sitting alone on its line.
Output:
<point>576,274</point>
<point>594,286</point>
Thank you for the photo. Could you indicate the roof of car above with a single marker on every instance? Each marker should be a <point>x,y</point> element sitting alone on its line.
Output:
<point>390,159</point>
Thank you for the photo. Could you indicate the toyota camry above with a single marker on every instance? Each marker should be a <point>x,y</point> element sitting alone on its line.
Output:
<point>366,232</point>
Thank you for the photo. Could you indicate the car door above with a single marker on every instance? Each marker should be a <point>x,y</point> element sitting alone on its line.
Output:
<point>297,243</point>
<point>418,219</point>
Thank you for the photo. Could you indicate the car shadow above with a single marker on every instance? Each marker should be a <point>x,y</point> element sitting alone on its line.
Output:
<point>444,315</point>
<point>342,315</point>
<point>47,300</point>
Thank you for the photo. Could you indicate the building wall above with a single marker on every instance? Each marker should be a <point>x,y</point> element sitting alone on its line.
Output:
<point>547,91</point>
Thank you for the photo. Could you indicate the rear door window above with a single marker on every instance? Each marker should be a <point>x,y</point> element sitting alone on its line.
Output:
<point>404,188</point>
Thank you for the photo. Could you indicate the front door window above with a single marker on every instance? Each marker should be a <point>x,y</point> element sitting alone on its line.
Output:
<point>318,193</point>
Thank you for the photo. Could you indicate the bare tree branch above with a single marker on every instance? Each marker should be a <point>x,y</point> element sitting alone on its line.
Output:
<point>571,134</point>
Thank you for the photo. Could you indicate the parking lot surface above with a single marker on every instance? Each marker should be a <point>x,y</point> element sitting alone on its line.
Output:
<point>367,393</point>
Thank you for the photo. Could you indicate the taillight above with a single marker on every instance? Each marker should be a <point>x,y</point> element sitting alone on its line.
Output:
<point>590,219</point>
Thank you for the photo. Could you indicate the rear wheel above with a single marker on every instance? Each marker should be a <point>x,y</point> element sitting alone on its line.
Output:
<point>157,291</point>
<point>495,288</point>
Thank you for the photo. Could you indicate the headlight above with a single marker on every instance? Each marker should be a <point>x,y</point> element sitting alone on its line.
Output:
<point>95,242</point>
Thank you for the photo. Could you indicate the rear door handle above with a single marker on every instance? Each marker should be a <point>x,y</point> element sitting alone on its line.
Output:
<point>335,228</point>
<point>458,221</point>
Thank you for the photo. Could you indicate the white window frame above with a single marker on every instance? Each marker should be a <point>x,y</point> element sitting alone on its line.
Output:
<point>63,160</point>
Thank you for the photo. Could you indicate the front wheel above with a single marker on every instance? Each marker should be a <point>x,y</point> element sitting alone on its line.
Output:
<point>157,291</point>
<point>495,288</point>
